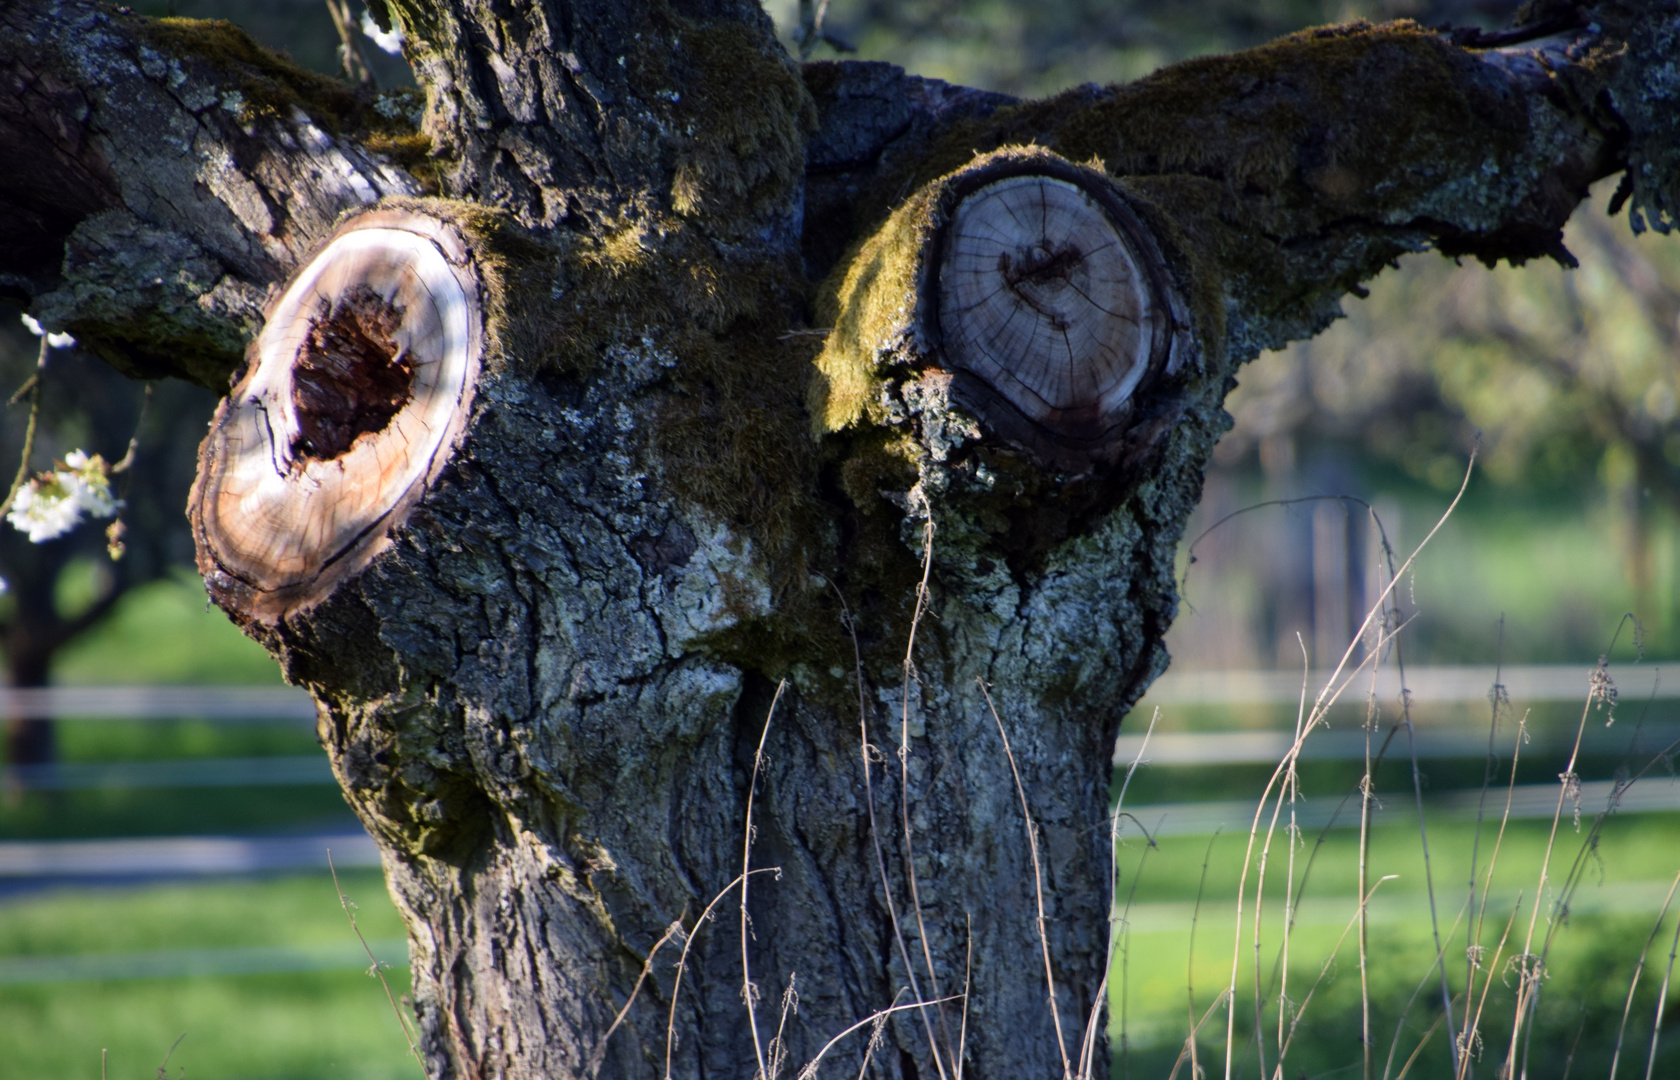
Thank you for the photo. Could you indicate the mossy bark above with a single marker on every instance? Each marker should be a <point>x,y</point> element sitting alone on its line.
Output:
<point>545,696</point>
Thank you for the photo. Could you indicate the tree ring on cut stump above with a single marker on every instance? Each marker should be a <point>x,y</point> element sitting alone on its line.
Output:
<point>354,395</point>
<point>1052,309</point>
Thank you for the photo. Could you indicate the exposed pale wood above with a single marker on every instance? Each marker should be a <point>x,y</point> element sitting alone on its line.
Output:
<point>542,701</point>
<point>1042,297</point>
<point>357,387</point>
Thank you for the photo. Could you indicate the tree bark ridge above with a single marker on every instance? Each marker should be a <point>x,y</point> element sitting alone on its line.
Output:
<point>544,696</point>
<point>166,176</point>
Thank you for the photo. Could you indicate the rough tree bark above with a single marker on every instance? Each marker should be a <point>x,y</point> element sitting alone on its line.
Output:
<point>759,349</point>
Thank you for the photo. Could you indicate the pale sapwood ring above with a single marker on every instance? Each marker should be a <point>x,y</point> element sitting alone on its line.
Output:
<point>354,395</point>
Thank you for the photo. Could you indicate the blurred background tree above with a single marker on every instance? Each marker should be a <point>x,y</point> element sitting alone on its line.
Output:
<point>1033,49</point>
<point>1566,381</point>
<point>60,588</point>
<point>1570,377</point>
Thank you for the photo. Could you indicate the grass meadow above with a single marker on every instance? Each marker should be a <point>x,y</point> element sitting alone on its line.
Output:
<point>1180,932</point>
<point>321,1023</point>
<point>1177,908</point>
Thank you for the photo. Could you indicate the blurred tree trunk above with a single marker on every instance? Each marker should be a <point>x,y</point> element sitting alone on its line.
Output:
<point>659,463</point>
<point>99,410</point>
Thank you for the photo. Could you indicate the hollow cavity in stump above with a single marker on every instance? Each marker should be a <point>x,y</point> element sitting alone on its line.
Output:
<point>351,377</point>
<point>1045,307</point>
<point>357,389</point>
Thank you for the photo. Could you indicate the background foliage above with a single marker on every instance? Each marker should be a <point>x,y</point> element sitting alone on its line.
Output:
<point>1570,381</point>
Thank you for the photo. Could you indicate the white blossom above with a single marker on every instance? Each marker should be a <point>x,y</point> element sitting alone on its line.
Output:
<point>44,509</point>
<point>94,484</point>
<point>389,40</point>
<point>53,503</point>
<point>57,341</point>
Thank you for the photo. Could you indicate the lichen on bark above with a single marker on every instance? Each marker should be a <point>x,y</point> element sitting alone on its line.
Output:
<point>544,697</point>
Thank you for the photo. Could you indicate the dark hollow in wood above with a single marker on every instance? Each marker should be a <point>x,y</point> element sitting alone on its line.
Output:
<point>358,387</point>
<point>351,377</point>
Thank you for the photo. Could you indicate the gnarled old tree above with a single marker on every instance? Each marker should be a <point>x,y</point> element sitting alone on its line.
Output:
<point>627,382</point>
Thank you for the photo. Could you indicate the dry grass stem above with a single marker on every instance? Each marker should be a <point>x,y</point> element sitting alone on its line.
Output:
<point>1190,968</point>
<point>1530,966</point>
<point>778,1045</point>
<point>1329,961</point>
<point>1332,691</point>
<point>922,597</point>
<point>866,749</point>
<point>1464,1043</point>
<point>968,972</point>
<point>1417,991</point>
<point>1367,798</point>
<point>1038,884</point>
<point>1428,1034</point>
<point>749,991</point>
<point>375,968</point>
<point>1497,696</point>
<point>1470,1038</point>
<point>1662,1000</point>
<point>1087,1052</point>
<point>163,1069</point>
<point>1423,823</point>
<point>874,1044</point>
<point>1188,1053</point>
<point>1638,969</point>
<point>1285,795</point>
<point>600,1053</point>
<point>1292,791</point>
<point>809,1072</point>
<point>1125,955</point>
<point>682,962</point>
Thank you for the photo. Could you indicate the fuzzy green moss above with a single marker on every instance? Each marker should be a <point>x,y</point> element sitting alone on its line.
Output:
<point>872,301</point>
<point>1277,116</point>
<point>1249,168</point>
<point>1356,123</point>
<point>747,116</point>
<point>870,306</point>
<point>270,83</point>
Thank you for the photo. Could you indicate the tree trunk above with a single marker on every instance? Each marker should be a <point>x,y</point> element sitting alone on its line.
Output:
<point>804,417</point>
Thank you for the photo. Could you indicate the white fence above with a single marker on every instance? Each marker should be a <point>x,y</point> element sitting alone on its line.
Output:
<point>1531,683</point>
<point>191,856</point>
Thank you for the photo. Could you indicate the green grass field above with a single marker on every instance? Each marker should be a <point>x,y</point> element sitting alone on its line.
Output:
<point>305,1024</point>
<point>165,632</point>
<point>1590,964</point>
<point>336,1022</point>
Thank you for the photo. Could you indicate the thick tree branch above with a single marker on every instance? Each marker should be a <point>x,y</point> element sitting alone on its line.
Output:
<point>162,176</point>
<point>580,112</point>
<point>1282,177</point>
<point>543,688</point>
<point>172,173</point>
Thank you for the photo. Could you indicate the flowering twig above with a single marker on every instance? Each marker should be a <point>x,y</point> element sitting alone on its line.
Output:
<point>53,503</point>
<point>32,389</point>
